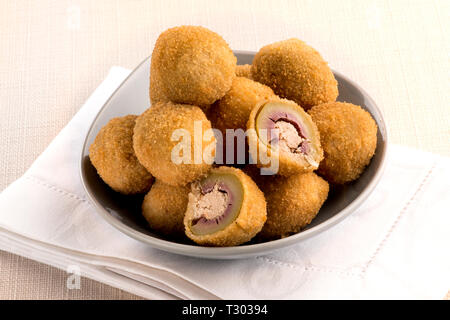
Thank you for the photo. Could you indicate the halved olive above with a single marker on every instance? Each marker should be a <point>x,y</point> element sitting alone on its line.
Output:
<point>226,208</point>
<point>286,133</point>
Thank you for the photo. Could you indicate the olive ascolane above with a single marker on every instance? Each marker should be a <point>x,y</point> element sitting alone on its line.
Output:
<point>226,208</point>
<point>218,187</point>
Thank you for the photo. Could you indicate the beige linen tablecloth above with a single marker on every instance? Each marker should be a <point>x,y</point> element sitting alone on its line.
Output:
<point>54,53</point>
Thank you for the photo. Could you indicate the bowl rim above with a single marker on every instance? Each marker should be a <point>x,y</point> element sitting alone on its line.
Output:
<point>244,251</point>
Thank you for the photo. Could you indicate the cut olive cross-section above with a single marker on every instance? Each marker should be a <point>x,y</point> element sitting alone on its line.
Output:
<point>225,209</point>
<point>218,203</point>
<point>282,129</point>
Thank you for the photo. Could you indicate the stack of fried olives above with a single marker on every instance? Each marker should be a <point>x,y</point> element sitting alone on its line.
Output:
<point>285,101</point>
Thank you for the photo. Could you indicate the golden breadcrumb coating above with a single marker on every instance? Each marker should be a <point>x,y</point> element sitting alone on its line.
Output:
<point>164,207</point>
<point>349,139</point>
<point>292,203</point>
<point>113,156</point>
<point>248,223</point>
<point>153,143</point>
<point>288,164</point>
<point>196,66</point>
<point>295,71</point>
<point>244,70</point>
<point>233,110</point>
<point>156,91</point>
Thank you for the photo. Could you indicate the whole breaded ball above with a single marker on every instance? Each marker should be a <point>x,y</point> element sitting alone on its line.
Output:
<point>233,110</point>
<point>164,207</point>
<point>295,71</point>
<point>292,203</point>
<point>164,141</point>
<point>348,135</point>
<point>196,66</point>
<point>113,156</point>
<point>244,70</point>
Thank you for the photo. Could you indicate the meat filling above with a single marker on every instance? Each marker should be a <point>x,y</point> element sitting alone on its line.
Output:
<point>211,205</point>
<point>289,139</point>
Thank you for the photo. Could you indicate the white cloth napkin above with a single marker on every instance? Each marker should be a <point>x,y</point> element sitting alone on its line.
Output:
<point>394,246</point>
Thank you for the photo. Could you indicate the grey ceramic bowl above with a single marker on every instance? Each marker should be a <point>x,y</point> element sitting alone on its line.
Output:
<point>124,213</point>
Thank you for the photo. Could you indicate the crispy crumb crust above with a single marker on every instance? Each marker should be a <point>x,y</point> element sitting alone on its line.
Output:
<point>349,139</point>
<point>196,65</point>
<point>164,207</point>
<point>153,146</point>
<point>233,110</point>
<point>113,156</point>
<point>288,164</point>
<point>292,203</point>
<point>156,90</point>
<point>249,222</point>
<point>244,70</point>
<point>295,71</point>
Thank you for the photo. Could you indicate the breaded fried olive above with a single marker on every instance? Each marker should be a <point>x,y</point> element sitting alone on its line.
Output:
<point>164,207</point>
<point>295,71</point>
<point>170,141</point>
<point>225,209</point>
<point>283,136</point>
<point>113,156</point>
<point>194,65</point>
<point>349,139</point>
<point>292,203</point>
